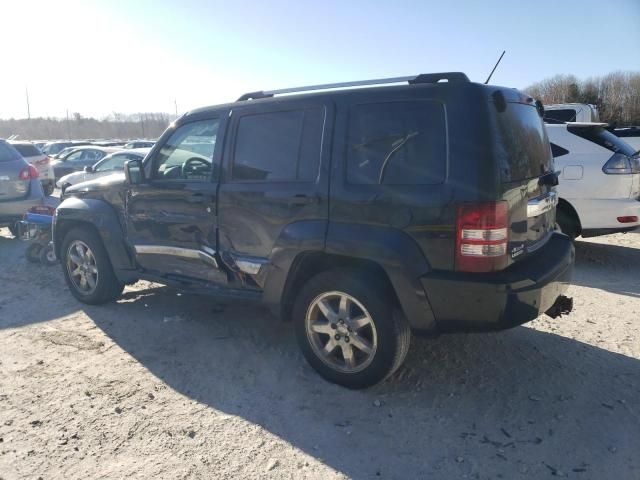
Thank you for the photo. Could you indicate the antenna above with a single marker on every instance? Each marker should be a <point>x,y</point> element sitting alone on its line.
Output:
<point>494,68</point>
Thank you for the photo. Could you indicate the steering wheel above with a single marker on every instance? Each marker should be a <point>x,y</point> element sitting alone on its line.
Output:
<point>190,165</point>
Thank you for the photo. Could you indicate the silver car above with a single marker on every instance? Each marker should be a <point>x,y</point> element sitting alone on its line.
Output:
<point>20,188</point>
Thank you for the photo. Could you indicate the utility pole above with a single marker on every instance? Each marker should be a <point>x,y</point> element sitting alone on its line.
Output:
<point>26,91</point>
<point>175,103</point>
<point>68,126</point>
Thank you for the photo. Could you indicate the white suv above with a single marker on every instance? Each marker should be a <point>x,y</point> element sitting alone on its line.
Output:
<point>599,180</point>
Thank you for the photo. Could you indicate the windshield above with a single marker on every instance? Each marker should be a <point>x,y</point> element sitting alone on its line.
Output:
<point>599,135</point>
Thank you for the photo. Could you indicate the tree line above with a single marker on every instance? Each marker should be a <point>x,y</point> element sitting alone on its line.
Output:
<point>116,125</point>
<point>617,94</point>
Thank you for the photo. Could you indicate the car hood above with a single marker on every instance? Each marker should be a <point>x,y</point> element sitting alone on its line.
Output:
<point>72,178</point>
<point>102,183</point>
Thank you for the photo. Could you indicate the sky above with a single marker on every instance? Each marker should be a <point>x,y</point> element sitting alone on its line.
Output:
<point>96,57</point>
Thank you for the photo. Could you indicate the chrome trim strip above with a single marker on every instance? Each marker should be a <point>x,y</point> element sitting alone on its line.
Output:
<point>250,265</point>
<point>177,252</point>
<point>540,205</point>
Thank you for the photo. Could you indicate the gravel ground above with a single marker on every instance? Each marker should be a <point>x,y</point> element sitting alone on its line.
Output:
<point>169,385</point>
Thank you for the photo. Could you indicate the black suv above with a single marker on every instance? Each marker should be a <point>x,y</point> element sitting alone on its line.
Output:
<point>358,214</point>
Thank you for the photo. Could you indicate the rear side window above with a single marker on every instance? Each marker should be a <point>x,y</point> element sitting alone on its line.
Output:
<point>602,137</point>
<point>278,146</point>
<point>397,143</point>
<point>564,115</point>
<point>27,149</point>
<point>8,153</point>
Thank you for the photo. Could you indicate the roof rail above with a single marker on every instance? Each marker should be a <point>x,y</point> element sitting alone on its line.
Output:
<point>413,79</point>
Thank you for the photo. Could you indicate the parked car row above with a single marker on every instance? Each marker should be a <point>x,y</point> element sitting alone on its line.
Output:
<point>55,147</point>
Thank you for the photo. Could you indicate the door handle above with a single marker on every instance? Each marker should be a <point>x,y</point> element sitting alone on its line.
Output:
<point>303,199</point>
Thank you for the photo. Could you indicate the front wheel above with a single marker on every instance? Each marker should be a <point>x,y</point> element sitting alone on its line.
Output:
<point>349,328</point>
<point>87,268</point>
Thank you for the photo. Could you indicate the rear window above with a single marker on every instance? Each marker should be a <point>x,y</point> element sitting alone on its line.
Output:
<point>8,153</point>
<point>602,137</point>
<point>523,146</point>
<point>564,115</point>
<point>27,149</point>
<point>397,143</point>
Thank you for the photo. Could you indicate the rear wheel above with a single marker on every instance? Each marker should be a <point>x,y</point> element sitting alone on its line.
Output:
<point>349,329</point>
<point>87,268</point>
<point>48,255</point>
<point>567,222</point>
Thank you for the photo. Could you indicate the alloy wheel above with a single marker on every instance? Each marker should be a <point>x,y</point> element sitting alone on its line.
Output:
<point>341,332</point>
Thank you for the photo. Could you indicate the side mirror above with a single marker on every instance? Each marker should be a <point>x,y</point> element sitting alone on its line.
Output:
<point>88,169</point>
<point>133,172</point>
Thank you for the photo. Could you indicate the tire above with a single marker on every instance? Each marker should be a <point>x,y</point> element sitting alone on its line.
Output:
<point>568,223</point>
<point>48,188</point>
<point>317,314</point>
<point>48,256</point>
<point>94,264</point>
<point>32,253</point>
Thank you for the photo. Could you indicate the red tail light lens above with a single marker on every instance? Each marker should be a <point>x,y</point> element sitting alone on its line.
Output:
<point>482,235</point>
<point>43,162</point>
<point>628,219</point>
<point>29,173</point>
<point>43,210</point>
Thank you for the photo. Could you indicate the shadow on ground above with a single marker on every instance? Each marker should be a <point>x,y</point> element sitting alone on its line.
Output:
<point>613,268</point>
<point>474,405</point>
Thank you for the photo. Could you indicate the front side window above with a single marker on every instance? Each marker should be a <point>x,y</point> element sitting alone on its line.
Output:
<point>397,143</point>
<point>188,153</point>
<point>114,162</point>
<point>278,146</point>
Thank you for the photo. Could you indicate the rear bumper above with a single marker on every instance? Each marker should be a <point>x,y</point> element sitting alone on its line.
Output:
<point>495,301</point>
<point>602,214</point>
<point>13,210</point>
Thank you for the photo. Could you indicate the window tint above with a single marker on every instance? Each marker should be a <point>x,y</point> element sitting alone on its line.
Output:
<point>27,149</point>
<point>188,154</point>
<point>558,151</point>
<point>565,115</point>
<point>602,137</point>
<point>8,153</point>
<point>400,143</point>
<point>279,146</point>
<point>522,145</point>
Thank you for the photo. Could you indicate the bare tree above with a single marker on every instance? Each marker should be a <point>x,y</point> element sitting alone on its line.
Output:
<point>617,94</point>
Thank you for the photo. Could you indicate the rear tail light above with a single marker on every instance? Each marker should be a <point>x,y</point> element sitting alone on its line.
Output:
<point>29,173</point>
<point>43,210</point>
<point>481,237</point>
<point>620,164</point>
<point>628,219</point>
<point>43,162</point>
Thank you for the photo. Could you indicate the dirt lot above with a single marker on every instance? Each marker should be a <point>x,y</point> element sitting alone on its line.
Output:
<point>164,385</point>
